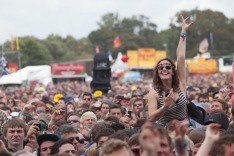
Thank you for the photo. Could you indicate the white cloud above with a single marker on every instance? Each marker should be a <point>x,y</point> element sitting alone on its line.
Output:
<point>78,18</point>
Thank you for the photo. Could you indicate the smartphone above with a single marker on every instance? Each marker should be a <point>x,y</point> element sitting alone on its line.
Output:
<point>42,127</point>
<point>130,114</point>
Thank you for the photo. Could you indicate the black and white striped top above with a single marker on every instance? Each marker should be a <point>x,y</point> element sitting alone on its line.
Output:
<point>177,111</point>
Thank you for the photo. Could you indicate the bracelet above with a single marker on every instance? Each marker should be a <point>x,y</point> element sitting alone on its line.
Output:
<point>183,34</point>
<point>181,148</point>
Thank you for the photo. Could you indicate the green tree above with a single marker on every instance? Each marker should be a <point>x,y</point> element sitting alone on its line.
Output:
<point>135,32</point>
<point>205,22</point>
<point>33,52</point>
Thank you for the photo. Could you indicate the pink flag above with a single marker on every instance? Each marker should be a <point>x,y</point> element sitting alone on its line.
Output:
<point>97,50</point>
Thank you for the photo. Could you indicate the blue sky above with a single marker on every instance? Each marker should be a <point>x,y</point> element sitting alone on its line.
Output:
<point>78,18</point>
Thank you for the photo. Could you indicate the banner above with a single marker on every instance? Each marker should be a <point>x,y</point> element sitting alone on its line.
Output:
<point>202,66</point>
<point>145,57</point>
<point>160,55</point>
<point>133,58</point>
<point>68,69</point>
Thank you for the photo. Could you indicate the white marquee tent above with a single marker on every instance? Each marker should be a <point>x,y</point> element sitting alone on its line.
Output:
<point>40,73</point>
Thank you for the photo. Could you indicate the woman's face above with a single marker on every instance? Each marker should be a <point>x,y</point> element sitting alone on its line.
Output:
<point>10,103</point>
<point>70,108</point>
<point>165,70</point>
<point>33,140</point>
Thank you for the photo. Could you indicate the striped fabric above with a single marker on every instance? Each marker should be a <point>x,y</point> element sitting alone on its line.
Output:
<point>177,111</point>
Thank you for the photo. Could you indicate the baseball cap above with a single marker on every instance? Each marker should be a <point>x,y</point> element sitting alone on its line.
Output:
<point>68,98</point>
<point>220,118</point>
<point>47,137</point>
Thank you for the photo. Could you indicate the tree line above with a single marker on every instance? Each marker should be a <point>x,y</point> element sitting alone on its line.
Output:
<point>135,32</point>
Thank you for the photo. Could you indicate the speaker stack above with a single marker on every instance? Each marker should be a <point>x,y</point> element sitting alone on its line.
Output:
<point>101,73</point>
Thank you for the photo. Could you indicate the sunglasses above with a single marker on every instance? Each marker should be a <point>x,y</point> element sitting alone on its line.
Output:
<point>72,121</point>
<point>87,99</point>
<point>135,105</point>
<point>81,141</point>
<point>167,67</point>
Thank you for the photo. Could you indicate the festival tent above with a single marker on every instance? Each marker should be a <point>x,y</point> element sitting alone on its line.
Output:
<point>29,73</point>
<point>119,66</point>
<point>121,69</point>
<point>10,79</point>
<point>41,74</point>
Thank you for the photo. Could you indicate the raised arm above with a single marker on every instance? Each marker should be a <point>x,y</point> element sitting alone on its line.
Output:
<point>180,52</point>
<point>212,135</point>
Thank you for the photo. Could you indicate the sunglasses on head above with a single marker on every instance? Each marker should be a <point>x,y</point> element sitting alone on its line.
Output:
<point>161,67</point>
<point>81,141</point>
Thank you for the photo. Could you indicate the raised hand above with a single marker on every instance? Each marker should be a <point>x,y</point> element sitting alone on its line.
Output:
<point>149,138</point>
<point>33,129</point>
<point>180,141</point>
<point>180,131</point>
<point>185,25</point>
<point>223,93</point>
<point>212,132</point>
<point>27,108</point>
<point>57,115</point>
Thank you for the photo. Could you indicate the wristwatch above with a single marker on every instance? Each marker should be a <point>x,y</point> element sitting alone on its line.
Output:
<point>163,108</point>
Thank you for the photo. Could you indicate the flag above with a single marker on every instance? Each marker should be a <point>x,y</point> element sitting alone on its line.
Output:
<point>117,42</point>
<point>203,47</point>
<point>12,46</point>
<point>17,44</point>
<point>3,64</point>
<point>97,49</point>
<point>110,56</point>
<point>211,40</point>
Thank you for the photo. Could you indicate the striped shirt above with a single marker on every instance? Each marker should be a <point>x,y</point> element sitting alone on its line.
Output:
<point>177,111</point>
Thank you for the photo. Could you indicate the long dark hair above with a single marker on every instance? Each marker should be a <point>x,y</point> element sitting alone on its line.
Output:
<point>157,82</point>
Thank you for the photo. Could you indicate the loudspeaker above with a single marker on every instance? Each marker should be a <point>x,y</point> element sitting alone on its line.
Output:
<point>104,87</point>
<point>101,73</point>
<point>101,61</point>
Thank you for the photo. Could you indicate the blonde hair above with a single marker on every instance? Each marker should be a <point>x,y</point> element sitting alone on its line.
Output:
<point>88,114</point>
<point>113,145</point>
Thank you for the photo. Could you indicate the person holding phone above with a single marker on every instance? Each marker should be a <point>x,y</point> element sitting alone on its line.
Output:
<point>171,80</point>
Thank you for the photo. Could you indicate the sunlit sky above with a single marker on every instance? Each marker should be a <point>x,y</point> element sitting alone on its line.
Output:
<point>78,18</point>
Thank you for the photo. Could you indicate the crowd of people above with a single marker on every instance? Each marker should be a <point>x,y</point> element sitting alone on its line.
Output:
<point>169,114</point>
